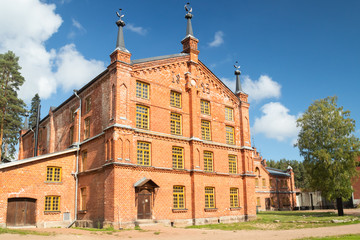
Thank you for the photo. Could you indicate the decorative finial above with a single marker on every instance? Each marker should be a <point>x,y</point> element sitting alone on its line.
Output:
<point>120,44</point>
<point>237,73</point>
<point>237,66</point>
<point>188,16</point>
<point>188,9</point>
<point>120,22</point>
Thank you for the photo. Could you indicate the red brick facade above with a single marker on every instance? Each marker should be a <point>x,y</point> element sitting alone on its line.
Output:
<point>118,181</point>
<point>356,186</point>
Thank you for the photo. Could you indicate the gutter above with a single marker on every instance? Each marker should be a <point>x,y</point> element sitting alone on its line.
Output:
<point>77,162</point>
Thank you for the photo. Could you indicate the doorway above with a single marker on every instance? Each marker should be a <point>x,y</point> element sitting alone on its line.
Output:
<point>267,203</point>
<point>144,204</point>
<point>21,212</point>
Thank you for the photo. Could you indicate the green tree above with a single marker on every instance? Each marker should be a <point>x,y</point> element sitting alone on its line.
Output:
<point>35,101</point>
<point>11,107</point>
<point>329,147</point>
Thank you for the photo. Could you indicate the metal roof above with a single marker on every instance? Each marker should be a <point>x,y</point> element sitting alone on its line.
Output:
<point>158,58</point>
<point>277,172</point>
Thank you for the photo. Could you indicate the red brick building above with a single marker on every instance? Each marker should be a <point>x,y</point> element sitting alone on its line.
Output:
<point>356,186</point>
<point>274,188</point>
<point>160,139</point>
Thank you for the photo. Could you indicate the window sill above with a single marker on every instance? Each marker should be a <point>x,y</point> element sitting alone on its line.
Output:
<point>235,208</point>
<point>210,209</point>
<point>82,211</point>
<point>49,182</point>
<point>51,212</point>
<point>174,210</point>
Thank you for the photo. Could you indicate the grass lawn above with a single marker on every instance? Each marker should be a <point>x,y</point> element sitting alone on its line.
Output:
<point>342,237</point>
<point>278,220</point>
<point>24,232</point>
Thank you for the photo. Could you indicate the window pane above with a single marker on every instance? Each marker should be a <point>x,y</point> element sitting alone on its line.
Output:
<point>208,161</point>
<point>232,164</point>
<point>175,99</point>
<point>205,130</point>
<point>143,153</point>
<point>230,135</point>
<point>177,157</point>
<point>142,90</point>
<point>142,117</point>
<point>205,107</point>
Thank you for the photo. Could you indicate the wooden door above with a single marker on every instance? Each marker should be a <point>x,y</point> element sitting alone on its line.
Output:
<point>144,204</point>
<point>267,203</point>
<point>21,212</point>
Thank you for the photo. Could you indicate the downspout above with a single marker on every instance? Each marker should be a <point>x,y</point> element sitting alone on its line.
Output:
<point>77,161</point>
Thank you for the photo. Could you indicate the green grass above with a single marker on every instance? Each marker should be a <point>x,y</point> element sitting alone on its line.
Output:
<point>287,220</point>
<point>342,237</point>
<point>24,232</point>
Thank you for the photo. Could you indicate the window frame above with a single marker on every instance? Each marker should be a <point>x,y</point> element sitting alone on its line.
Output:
<point>229,114</point>
<point>143,153</point>
<point>83,160</point>
<point>83,198</point>
<point>263,182</point>
<point>71,135</point>
<point>87,128</point>
<point>52,177</point>
<point>175,124</point>
<point>53,203</point>
<point>234,197</point>
<point>258,202</point>
<point>87,104</point>
<point>208,161</point>
<point>142,118</point>
<point>175,99</point>
<point>210,197</point>
<point>177,158</point>
<point>232,163</point>
<point>230,135</point>
<point>178,197</point>
<point>205,107</point>
<point>141,89</point>
<point>206,130</point>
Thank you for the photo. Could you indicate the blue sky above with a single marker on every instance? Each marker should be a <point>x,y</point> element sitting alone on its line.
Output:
<point>291,52</point>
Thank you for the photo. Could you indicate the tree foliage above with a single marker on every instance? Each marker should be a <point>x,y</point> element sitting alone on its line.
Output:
<point>300,174</point>
<point>35,101</point>
<point>11,107</point>
<point>329,147</point>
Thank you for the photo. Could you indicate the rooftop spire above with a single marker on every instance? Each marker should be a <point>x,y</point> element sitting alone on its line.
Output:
<point>237,74</point>
<point>188,16</point>
<point>120,44</point>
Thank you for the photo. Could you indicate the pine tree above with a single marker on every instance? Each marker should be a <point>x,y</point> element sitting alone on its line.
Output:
<point>329,147</point>
<point>12,108</point>
<point>35,101</point>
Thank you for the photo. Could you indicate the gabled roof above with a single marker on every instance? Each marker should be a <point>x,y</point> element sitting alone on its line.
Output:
<point>146,182</point>
<point>158,58</point>
<point>277,172</point>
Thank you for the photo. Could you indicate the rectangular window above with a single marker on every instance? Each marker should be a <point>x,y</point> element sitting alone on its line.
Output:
<point>178,157</point>
<point>258,203</point>
<point>208,161</point>
<point>205,130</point>
<point>87,104</point>
<point>230,135</point>
<point>264,183</point>
<point>179,197</point>
<point>175,123</point>
<point>234,197</point>
<point>229,114</point>
<point>232,164</point>
<point>71,135</point>
<point>87,128</point>
<point>271,183</point>
<point>142,117</point>
<point>256,182</point>
<point>82,199</point>
<point>142,90</point>
<point>53,174</point>
<point>143,153</point>
<point>205,107</point>
<point>209,197</point>
<point>52,203</point>
<point>72,114</point>
<point>83,161</point>
<point>175,99</point>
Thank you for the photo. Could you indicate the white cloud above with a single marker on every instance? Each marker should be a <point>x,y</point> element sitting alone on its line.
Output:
<point>72,65</point>
<point>138,30</point>
<point>276,123</point>
<point>77,25</point>
<point>261,89</point>
<point>42,69</point>
<point>218,39</point>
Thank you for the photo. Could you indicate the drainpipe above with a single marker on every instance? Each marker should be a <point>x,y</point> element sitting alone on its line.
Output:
<point>77,159</point>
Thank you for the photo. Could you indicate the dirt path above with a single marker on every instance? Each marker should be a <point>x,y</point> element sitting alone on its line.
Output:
<point>161,232</point>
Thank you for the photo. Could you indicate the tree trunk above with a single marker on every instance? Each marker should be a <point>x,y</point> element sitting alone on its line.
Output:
<point>340,207</point>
